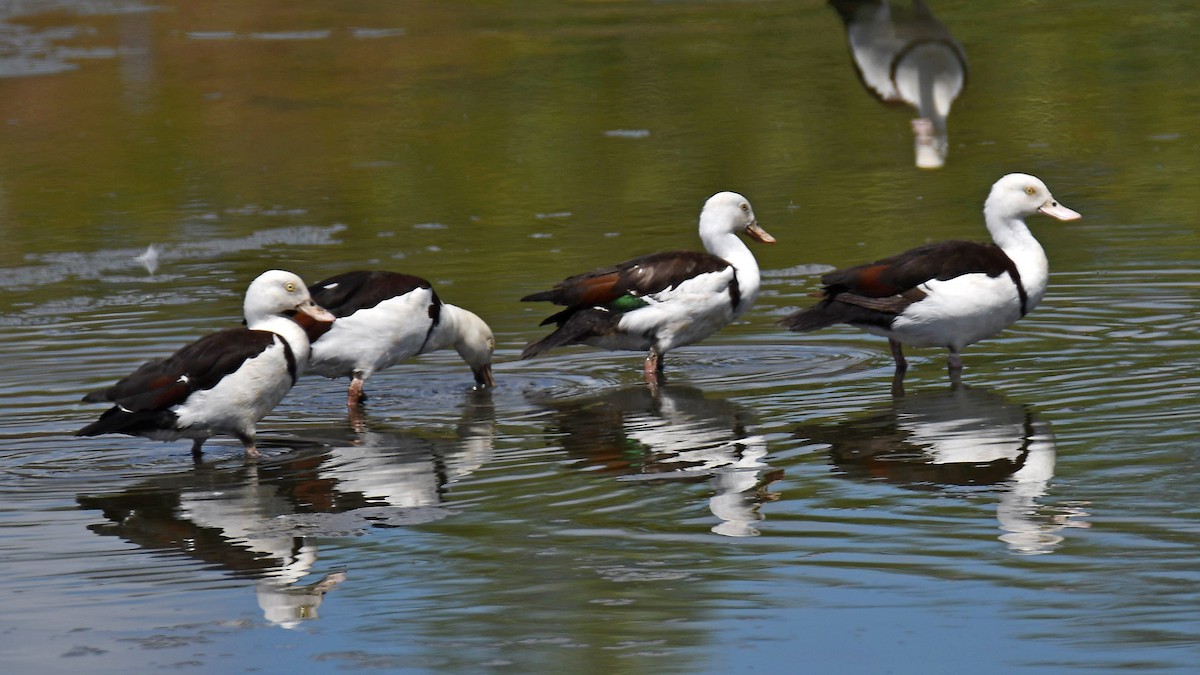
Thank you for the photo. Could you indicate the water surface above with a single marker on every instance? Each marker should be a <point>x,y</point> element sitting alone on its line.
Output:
<point>773,505</point>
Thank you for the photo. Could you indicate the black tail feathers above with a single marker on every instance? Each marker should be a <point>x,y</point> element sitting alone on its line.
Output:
<point>574,327</point>
<point>813,318</point>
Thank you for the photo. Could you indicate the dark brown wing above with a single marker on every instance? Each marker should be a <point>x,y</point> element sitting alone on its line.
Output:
<point>876,293</point>
<point>638,277</point>
<point>347,293</point>
<point>899,273</point>
<point>162,383</point>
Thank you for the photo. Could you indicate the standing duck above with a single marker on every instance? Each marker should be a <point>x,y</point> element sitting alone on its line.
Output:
<point>387,317</point>
<point>223,383</point>
<point>906,56</point>
<point>661,301</point>
<point>947,294</point>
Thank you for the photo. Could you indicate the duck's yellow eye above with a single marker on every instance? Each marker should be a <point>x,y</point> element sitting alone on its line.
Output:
<point>745,207</point>
<point>290,287</point>
<point>1029,189</point>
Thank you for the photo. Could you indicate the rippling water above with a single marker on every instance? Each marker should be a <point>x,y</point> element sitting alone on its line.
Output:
<point>772,496</point>
<point>775,506</point>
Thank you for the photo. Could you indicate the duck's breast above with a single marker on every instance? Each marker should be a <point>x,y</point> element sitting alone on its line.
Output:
<point>244,396</point>
<point>960,311</point>
<point>688,312</point>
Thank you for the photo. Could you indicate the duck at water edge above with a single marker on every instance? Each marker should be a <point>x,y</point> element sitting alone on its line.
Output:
<point>223,383</point>
<point>661,301</point>
<point>947,294</point>
<point>387,317</point>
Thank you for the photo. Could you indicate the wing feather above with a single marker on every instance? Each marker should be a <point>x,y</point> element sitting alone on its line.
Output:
<point>162,383</point>
<point>637,277</point>
<point>347,293</point>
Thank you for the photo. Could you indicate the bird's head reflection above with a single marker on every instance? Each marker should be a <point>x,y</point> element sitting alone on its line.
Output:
<point>226,517</point>
<point>410,468</point>
<point>957,437</point>
<point>671,432</point>
<point>262,521</point>
<point>906,56</point>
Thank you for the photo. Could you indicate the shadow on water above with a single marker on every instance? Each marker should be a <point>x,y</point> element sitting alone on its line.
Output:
<point>905,56</point>
<point>958,437</point>
<point>264,520</point>
<point>671,432</point>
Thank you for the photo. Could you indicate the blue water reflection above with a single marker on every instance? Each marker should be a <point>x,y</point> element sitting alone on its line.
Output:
<point>671,432</point>
<point>154,159</point>
<point>960,436</point>
<point>265,520</point>
<point>230,519</point>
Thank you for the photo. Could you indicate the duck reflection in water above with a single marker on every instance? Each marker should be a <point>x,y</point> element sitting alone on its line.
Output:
<point>223,517</point>
<point>672,432</point>
<point>264,521</point>
<point>906,56</point>
<point>959,437</point>
<point>411,470</point>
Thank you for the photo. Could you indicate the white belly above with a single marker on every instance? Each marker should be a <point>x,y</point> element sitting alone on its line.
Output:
<point>375,338</point>
<point>959,312</point>
<point>240,399</point>
<point>683,315</point>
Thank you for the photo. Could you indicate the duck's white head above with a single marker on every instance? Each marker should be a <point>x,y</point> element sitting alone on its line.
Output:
<point>278,293</point>
<point>1019,195</point>
<point>473,341</point>
<point>730,213</point>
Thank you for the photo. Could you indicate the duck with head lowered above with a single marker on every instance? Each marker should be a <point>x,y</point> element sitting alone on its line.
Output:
<point>223,383</point>
<point>388,317</point>
<point>951,293</point>
<point>661,301</point>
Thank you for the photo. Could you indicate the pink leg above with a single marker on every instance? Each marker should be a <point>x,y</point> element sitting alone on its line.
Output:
<point>248,443</point>
<point>652,368</point>
<point>358,421</point>
<point>355,395</point>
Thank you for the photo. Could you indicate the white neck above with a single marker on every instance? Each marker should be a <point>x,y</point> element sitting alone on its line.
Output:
<point>291,332</point>
<point>1012,235</point>
<point>449,330</point>
<point>730,247</point>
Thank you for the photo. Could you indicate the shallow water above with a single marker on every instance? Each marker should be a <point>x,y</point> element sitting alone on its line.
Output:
<point>773,502</point>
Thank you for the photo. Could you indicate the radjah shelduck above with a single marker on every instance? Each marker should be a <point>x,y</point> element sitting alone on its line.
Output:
<point>947,294</point>
<point>661,301</point>
<point>223,383</point>
<point>387,317</point>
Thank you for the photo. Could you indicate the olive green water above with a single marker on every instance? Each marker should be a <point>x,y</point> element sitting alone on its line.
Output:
<point>774,508</point>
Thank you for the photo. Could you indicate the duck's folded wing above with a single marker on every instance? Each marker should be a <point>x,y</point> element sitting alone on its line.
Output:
<point>638,277</point>
<point>162,383</point>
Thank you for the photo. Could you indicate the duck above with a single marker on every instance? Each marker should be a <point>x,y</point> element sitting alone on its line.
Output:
<point>225,382</point>
<point>386,317</point>
<point>951,293</point>
<point>906,56</point>
<point>661,301</point>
